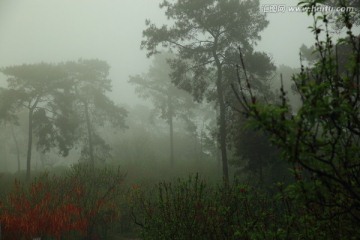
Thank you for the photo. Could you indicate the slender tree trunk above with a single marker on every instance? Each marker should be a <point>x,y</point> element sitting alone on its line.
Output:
<point>28,156</point>
<point>170,119</point>
<point>261,177</point>
<point>17,147</point>
<point>89,132</point>
<point>201,141</point>
<point>196,153</point>
<point>223,134</point>
<point>222,119</point>
<point>218,158</point>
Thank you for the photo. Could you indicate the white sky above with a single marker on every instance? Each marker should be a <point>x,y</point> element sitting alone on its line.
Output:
<point>111,30</point>
<point>285,34</point>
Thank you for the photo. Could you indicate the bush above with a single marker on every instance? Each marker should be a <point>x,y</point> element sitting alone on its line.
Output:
<point>190,209</point>
<point>79,204</point>
<point>320,141</point>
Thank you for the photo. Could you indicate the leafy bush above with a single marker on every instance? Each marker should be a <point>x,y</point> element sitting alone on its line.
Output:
<point>79,204</point>
<point>190,209</point>
<point>320,141</point>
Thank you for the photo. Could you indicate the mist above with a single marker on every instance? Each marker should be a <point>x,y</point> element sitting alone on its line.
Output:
<point>216,117</point>
<point>57,30</point>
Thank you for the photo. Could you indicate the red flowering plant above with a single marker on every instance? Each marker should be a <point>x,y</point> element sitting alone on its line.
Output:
<point>98,193</point>
<point>69,206</point>
<point>35,210</point>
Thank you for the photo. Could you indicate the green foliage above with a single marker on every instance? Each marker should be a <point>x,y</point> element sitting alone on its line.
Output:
<point>252,152</point>
<point>205,39</point>
<point>100,192</point>
<point>35,87</point>
<point>191,209</point>
<point>64,102</point>
<point>255,156</point>
<point>321,140</point>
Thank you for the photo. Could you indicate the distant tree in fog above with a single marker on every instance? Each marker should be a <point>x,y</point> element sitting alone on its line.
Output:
<point>40,89</point>
<point>171,101</point>
<point>92,107</point>
<point>64,103</point>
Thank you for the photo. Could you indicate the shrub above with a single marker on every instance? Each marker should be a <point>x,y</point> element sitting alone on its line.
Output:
<point>190,209</point>
<point>79,204</point>
<point>320,141</point>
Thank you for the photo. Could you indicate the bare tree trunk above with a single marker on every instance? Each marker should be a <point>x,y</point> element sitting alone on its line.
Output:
<point>223,134</point>
<point>196,152</point>
<point>170,119</point>
<point>89,132</point>
<point>201,141</point>
<point>28,156</point>
<point>222,119</point>
<point>17,148</point>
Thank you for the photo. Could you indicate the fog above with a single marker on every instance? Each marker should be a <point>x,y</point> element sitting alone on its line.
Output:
<point>200,141</point>
<point>54,31</point>
<point>60,30</point>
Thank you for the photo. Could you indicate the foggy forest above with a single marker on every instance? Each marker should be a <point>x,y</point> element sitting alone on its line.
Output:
<point>179,119</point>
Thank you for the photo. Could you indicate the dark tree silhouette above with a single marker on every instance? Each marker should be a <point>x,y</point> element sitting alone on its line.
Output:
<point>37,88</point>
<point>205,34</point>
